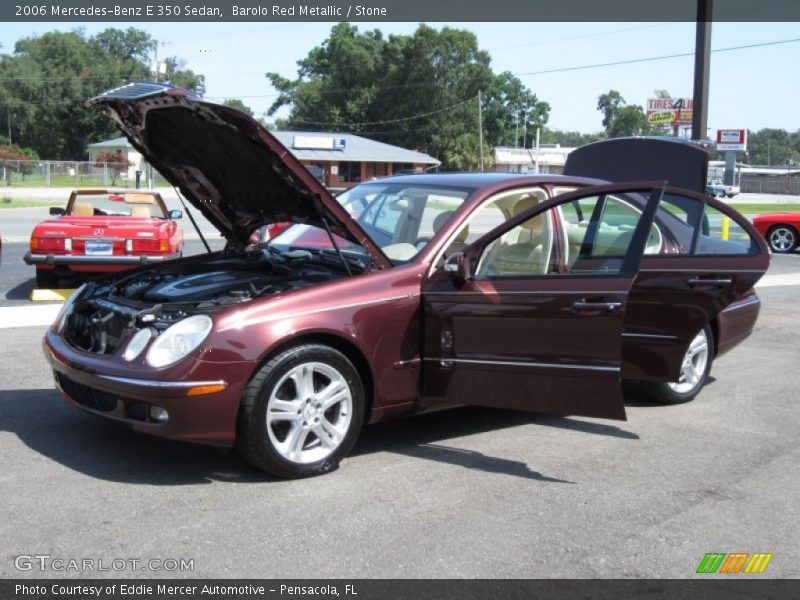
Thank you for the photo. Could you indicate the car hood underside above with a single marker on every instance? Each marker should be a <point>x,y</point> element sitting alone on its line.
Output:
<point>226,164</point>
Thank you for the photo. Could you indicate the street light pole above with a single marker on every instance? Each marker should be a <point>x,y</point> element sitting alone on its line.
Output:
<point>480,128</point>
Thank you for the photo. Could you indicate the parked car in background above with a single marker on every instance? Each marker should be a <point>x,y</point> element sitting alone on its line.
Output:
<point>104,230</point>
<point>780,230</point>
<point>539,293</point>
<point>720,190</point>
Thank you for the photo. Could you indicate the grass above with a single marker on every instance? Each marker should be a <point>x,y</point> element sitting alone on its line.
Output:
<point>6,202</point>
<point>753,208</point>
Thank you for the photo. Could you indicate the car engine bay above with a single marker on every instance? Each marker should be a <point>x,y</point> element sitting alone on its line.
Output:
<point>111,309</point>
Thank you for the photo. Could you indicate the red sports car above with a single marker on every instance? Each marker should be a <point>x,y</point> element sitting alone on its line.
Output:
<point>104,230</point>
<point>780,230</point>
<point>530,292</point>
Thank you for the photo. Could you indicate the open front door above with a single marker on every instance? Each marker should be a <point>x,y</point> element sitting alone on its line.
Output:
<point>530,316</point>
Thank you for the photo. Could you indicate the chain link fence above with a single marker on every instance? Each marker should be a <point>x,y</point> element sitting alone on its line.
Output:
<point>72,174</point>
<point>778,184</point>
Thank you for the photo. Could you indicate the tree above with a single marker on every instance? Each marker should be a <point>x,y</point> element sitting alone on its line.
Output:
<point>418,91</point>
<point>512,113</point>
<point>115,161</point>
<point>773,147</point>
<point>238,105</point>
<point>14,159</point>
<point>620,119</point>
<point>46,80</point>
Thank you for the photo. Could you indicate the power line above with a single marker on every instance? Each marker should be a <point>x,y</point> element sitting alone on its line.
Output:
<point>420,116</point>
<point>652,58</point>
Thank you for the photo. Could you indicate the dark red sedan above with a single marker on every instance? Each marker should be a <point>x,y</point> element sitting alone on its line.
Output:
<point>541,293</point>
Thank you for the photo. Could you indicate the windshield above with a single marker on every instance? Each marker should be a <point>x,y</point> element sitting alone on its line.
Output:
<point>400,218</point>
<point>135,204</point>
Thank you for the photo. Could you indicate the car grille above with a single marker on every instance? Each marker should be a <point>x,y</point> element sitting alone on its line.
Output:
<point>88,396</point>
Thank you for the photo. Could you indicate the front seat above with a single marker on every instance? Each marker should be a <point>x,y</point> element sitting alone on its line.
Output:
<point>525,250</point>
<point>82,209</point>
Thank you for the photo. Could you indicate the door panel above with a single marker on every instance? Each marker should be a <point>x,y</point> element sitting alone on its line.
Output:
<point>675,295</point>
<point>525,331</point>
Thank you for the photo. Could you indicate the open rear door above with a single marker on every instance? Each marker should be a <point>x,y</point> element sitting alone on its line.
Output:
<point>530,316</point>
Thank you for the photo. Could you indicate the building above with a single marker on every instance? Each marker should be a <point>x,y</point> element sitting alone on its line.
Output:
<point>344,158</point>
<point>122,147</point>
<point>545,159</point>
<point>348,159</point>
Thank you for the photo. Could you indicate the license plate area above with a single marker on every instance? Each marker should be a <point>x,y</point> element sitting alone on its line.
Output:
<point>99,248</point>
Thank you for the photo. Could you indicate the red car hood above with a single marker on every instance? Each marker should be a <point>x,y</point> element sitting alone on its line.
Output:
<point>225,163</point>
<point>112,227</point>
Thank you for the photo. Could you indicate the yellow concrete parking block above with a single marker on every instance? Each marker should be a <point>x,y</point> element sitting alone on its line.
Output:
<point>38,295</point>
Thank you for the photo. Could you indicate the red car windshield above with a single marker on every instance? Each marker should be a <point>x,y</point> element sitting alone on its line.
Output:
<point>134,204</point>
<point>400,218</point>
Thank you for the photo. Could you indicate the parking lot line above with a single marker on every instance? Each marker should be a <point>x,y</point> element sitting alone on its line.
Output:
<point>28,316</point>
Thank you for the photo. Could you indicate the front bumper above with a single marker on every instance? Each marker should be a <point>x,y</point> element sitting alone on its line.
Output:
<point>125,397</point>
<point>82,259</point>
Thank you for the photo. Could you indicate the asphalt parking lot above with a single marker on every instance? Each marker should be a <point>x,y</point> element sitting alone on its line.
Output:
<point>465,493</point>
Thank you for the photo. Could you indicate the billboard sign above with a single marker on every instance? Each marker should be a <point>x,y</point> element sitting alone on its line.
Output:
<point>732,139</point>
<point>670,111</point>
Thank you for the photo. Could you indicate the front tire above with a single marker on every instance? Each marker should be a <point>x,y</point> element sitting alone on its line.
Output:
<point>782,239</point>
<point>301,413</point>
<point>694,373</point>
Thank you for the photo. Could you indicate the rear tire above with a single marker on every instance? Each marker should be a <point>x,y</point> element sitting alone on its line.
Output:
<point>696,367</point>
<point>46,279</point>
<point>782,239</point>
<point>301,412</point>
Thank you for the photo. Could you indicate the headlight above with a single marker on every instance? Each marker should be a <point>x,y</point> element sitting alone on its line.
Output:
<point>66,310</point>
<point>179,340</point>
<point>137,343</point>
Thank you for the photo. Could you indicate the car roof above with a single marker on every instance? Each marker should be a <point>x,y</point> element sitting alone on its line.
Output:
<point>483,180</point>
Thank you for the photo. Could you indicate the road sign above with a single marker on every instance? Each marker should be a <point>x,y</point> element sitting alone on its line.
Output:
<point>732,139</point>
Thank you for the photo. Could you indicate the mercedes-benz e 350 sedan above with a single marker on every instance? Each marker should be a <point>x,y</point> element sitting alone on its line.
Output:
<point>529,292</point>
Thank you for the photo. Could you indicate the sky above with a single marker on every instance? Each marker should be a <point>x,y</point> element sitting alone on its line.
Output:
<point>750,88</point>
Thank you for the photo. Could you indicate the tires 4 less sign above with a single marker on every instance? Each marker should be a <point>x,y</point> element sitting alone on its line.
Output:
<point>669,111</point>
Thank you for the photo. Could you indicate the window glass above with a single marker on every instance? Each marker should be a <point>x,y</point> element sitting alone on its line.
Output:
<point>349,172</point>
<point>722,235</point>
<point>137,204</point>
<point>400,218</point>
<point>594,237</point>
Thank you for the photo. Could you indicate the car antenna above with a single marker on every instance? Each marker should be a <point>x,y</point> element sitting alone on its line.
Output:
<point>191,218</point>
<point>330,235</point>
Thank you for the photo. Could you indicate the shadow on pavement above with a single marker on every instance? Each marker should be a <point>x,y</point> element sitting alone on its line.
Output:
<point>100,448</point>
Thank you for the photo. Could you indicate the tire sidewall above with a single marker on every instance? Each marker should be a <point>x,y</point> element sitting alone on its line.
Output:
<point>272,460</point>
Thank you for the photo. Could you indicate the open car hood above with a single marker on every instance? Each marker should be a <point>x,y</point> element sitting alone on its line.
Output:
<point>226,163</point>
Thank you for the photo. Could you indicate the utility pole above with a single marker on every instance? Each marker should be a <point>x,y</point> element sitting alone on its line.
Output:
<point>702,60</point>
<point>8,115</point>
<point>155,62</point>
<point>480,128</point>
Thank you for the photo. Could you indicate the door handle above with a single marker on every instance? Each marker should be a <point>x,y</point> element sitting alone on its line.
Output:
<point>580,305</point>
<point>716,282</point>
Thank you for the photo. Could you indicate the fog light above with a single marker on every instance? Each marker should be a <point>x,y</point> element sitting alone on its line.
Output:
<point>158,414</point>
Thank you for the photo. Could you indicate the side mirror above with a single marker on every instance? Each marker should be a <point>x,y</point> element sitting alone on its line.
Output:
<point>57,211</point>
<point>456,266</point>
<point>175,214</point>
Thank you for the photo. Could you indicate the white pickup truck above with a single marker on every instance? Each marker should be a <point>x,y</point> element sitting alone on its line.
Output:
<point>717,188</point>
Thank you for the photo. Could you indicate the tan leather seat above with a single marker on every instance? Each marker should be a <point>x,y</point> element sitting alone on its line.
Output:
<point>526,249</point>
<point>141,212</point>
<point>82,209</point>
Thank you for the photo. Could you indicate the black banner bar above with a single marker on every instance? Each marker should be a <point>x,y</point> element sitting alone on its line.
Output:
<point>445,11</point>
<point>731,588</point>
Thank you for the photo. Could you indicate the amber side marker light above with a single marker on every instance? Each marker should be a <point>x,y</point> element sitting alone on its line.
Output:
<point>201,390</point>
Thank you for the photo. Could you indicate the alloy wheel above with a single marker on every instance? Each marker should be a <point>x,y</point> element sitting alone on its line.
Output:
<point>782,239</point>
<point>309,412</point>
<point>694,365</point>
